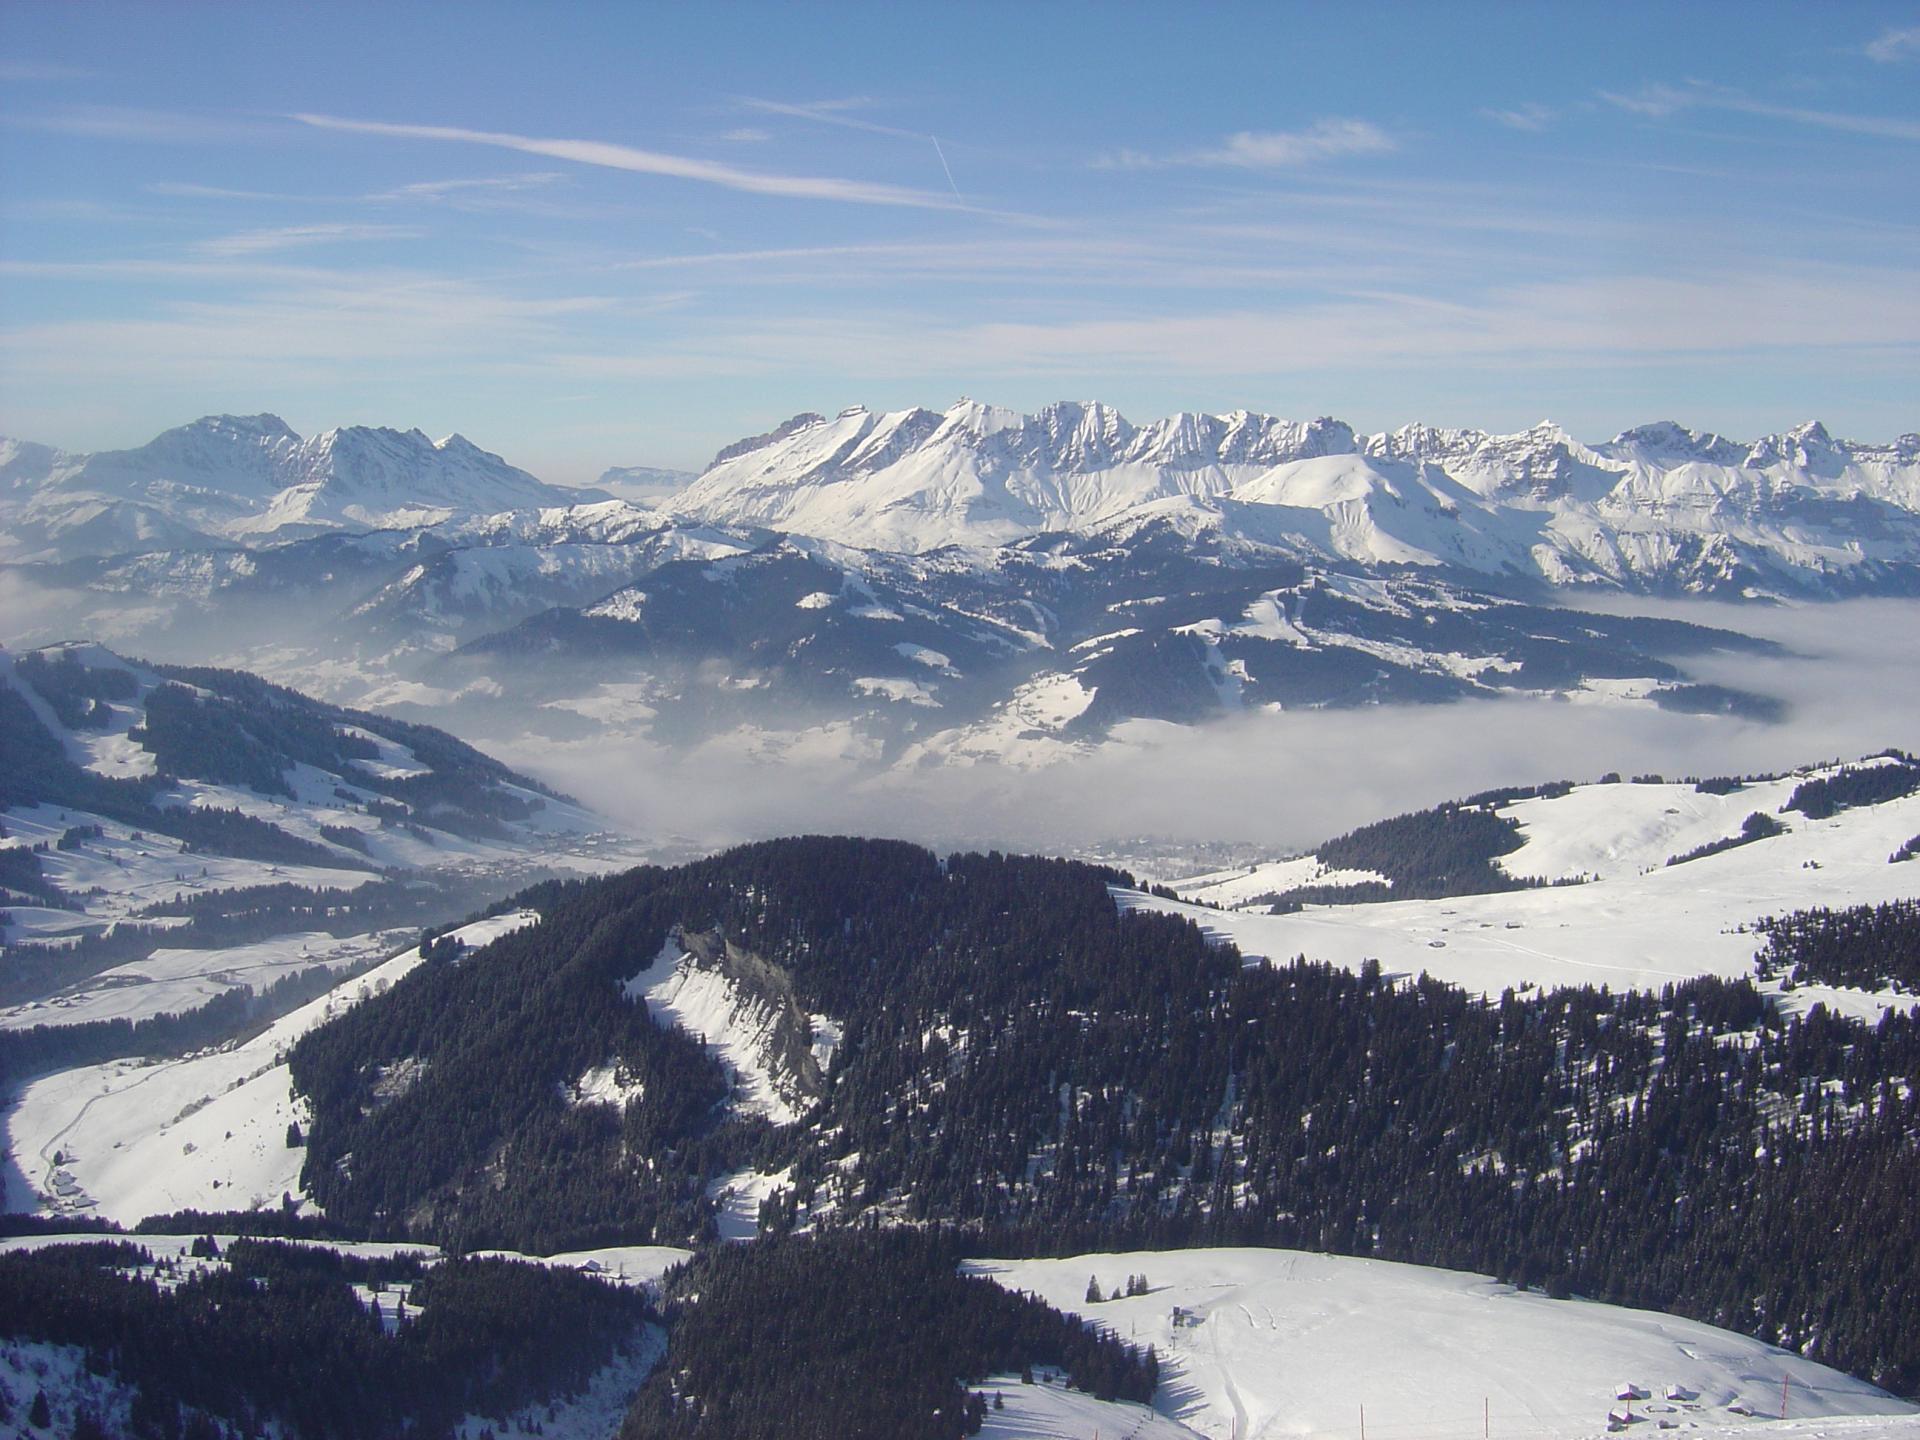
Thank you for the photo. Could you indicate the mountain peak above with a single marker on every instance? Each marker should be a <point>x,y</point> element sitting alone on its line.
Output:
<point>1668,440</point>
<point>1805,446</point>
<point>804,420</point>
<point>263,426</point>
<point>981,419</point>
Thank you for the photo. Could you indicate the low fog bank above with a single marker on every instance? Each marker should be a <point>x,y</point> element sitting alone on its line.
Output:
<point>1282,782</point>
<point>1265,784</point>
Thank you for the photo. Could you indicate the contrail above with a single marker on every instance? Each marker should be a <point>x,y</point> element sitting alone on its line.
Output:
<point>944,166</point>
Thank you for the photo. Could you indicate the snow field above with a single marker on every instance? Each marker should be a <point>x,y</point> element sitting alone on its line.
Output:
<point>739,1196</point>
<point>171,980</point>
<point>1640,925</point>
<point>1260,1343</point>
<point>138,872</point>
<point>1050,1410</point>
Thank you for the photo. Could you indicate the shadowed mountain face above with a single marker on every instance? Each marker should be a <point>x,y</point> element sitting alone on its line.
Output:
<point>226,763</point>
<point>1065,638</point>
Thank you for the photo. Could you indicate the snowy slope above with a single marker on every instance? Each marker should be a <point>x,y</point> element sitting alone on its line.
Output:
<point>753,1028</point>
<point>1657,508</point>
<point>1641,923</point>
<point>993,654</point>
<point>132,1138</point>
<point>1264,1343</point>
<point>347,813</point>
<point>134,872</point>
<point>1050,1409</point>
<point>1284,1343</point>
<point>978,474</point>
<point>60,1372</point>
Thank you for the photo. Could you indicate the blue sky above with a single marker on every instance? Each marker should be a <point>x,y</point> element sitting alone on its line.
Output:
<point>587,236</point>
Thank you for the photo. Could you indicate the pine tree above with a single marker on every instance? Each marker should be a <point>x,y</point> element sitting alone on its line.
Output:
<point>1094,1297</point>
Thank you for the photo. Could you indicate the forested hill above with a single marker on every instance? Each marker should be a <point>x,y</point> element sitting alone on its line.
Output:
<point>1000,1048</point>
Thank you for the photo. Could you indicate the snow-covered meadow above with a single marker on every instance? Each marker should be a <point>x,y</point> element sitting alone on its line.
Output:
<point>1266,1343</point>
<point>1636,923</point>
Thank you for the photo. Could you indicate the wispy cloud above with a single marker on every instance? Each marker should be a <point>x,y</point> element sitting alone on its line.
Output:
<point>487,184</point>
<point>1646,318</point>
<point>1654,102</point>
<point>157,127</point>
<point>60,210</point>
<point>1896,45</point>
<point>1051,266</point>
<point>746,135</point>
<point>1659,102</point>
<point>310,328</point>
<point>1529,117</point>
<point>612,156</point>
<point>1323,140</point>
<point>290,237</point>
<point>1272,149</point>
<point>836,112</point>
<point>1881,126</point>
<point>831,112</point>
<point>18,71</point>
<point>187,190</point>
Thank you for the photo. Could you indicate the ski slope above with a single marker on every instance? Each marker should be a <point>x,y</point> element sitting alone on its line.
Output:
<point>1283,1343</point>
<point>1638,924</point>
<point>131,1138</point>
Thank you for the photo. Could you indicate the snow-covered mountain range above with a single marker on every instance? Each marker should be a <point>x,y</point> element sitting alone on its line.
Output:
<point>249,479</point>
<point>1659,507</point>
<point>973,578</point>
